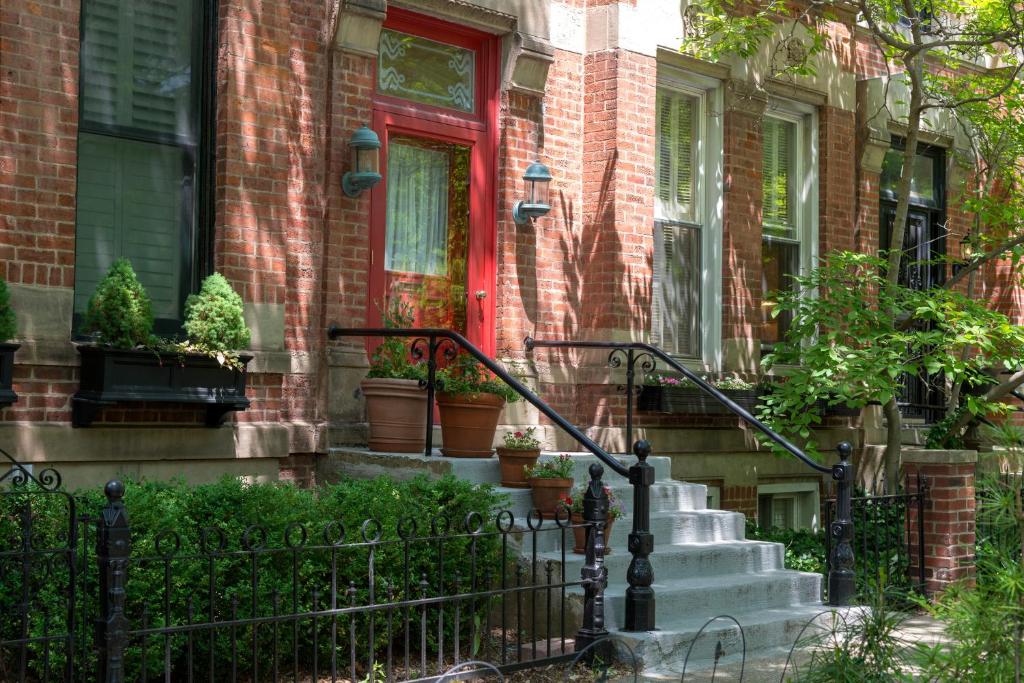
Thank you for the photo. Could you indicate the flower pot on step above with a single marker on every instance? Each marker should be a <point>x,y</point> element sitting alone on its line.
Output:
<point>397,412</point>
<point>468,423</point>
<point>512,461</point>
<point>547,493</point>
<point>580,532</point>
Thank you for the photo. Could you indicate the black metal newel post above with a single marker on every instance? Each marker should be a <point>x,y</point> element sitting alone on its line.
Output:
<point>594,573</point>
<point>113,545</point>
<point>841,578</point>
<point>428,448</point>
<point>640,575</point>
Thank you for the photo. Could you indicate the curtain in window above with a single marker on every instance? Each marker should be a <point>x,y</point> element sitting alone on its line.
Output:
<point>417,215</point>
<point>676,285</point>
<point>778,139</point>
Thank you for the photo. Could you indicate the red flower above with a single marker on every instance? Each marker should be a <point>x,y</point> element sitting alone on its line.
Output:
<point>565,498</point>
<point>519,435</point>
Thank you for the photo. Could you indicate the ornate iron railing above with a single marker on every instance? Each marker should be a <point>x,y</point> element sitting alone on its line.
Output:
<point>640,599</point>
<point>841,584</point>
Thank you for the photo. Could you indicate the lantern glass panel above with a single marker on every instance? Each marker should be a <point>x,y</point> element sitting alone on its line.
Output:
<point>537,191</point>
<point>366,160</point>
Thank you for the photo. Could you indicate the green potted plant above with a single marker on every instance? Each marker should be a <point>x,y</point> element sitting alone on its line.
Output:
<point>8,328</point>
<point>470,400</point>
<point>550,482</point>
<point>519,451</point>
<point>126,363</point>
<point>396,403</point>
<point>575,505</point>
<point>666,394</point>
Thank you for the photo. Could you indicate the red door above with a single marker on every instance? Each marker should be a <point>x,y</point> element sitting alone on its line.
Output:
<point>432,237</point>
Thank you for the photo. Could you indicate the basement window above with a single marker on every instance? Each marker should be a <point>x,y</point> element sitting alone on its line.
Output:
<point>794,505</point>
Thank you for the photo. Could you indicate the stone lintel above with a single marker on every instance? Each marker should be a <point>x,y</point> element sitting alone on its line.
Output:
<point>939,457</point>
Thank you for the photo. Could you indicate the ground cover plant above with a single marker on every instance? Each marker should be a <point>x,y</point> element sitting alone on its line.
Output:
<point>190,563</point>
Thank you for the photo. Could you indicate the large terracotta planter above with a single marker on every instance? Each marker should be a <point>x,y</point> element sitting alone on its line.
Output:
<point>580,532</point>
<point>468,423</point>
<point>548,492</point>
<point>397,412</point>
<point>512,461</point>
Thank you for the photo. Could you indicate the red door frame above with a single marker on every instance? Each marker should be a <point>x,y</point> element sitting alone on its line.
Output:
<point>393,116</point>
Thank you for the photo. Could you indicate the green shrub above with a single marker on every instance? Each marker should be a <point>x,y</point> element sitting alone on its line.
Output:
<point>232,506</point>
<point>7,322</point>
<point>213,317</point>
<point>119,311</point>
<point>466,376</point>
<point>805,549</point>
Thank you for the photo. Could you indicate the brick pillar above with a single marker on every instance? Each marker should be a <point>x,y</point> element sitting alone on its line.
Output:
<point>948,516</point>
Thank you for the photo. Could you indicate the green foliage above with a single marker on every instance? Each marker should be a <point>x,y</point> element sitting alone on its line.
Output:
<point>119,311</point>
<point>523,441</point>
<point>852,342</point>
<point>805,549</point>
<point>213,317</point>
<point>560,467</point>
<point>8,328</point>
<point>467,376</point>
<point>232,506</point>
<point>861,646</point>
<point>390,360</point>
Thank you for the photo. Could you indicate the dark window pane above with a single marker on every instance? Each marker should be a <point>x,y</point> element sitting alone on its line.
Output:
<point>780,261</point>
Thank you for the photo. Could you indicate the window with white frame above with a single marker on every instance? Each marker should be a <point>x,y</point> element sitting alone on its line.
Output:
<point>793,505</point>
<point>687,217</point>
<point>789,207</point>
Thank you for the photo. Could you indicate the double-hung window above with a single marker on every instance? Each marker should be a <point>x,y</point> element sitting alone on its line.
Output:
<point>687,217</point>
<point>789,207</point>
<point>143,136</point>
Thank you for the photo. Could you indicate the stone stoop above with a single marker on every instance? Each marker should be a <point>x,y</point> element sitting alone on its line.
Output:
<point>703,565</point>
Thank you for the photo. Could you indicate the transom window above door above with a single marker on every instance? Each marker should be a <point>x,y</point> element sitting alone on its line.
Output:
<point>426,71</point>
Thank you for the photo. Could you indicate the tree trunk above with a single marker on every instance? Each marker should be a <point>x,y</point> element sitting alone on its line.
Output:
<point>893,443</point>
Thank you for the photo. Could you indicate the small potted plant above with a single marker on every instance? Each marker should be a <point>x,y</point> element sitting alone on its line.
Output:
<point>519,451</point>
<point>550,482</point>
<point>396,403</point>
<point>128,364</point>
<point>8,328</point>
<point>470,400</point>
<point>666,394</point>
<point>575,505</point>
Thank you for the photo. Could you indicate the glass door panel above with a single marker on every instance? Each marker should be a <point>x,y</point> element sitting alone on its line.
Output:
<point>427,229</point>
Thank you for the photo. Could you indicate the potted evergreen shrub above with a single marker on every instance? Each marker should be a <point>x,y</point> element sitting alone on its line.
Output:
<point>575,505</point>
<point>664,394</point>
<point>470,401</point>
<point>550,482</point>
<point>126,363</point>
<point>8,328</point>
<point>519,451</point>
<point>396,403</point>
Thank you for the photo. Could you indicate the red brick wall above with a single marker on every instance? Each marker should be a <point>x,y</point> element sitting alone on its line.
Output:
<point>949,523</point>
<point>741,238</point>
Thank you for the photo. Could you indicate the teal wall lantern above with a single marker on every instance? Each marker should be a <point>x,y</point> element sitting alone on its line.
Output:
<point>365,173</point>
<point>536,181</point>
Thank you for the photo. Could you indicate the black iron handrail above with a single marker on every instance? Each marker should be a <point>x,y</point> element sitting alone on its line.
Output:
<point>841,576</point>
<point>640,602</point>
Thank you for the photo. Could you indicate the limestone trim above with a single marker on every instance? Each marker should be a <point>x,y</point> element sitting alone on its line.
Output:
<point>357,26</point>
<point>683,62</point>
<point>463,12</point>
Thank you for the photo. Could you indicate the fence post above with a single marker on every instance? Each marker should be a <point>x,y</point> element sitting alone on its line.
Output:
<point>640,575</point>
<point>595,515</point>
<point>841,578</point>
<point>113,546</point>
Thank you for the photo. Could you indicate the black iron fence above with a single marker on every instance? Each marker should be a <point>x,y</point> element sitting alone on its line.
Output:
<point>193,604</point>
<point>888,538</point>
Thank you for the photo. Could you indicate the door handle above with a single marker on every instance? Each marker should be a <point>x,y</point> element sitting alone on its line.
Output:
<point>481,294</point>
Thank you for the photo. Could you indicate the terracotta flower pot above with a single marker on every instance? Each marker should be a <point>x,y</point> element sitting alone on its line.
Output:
<point>548,492</point>
<point>512,461</point>
<point>397,412</point>
<point>580,532</point>
<point>468,423</point>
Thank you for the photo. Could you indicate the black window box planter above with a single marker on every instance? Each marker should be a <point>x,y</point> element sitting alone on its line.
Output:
<point>692,401</point>
<point>7,395</point>
<point>117,375</point>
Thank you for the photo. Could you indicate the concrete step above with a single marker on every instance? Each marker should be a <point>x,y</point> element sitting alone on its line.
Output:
<point>683,560</point>
<point>724,594</point>
<point>669,528</point>
<point>360,462</point>
<point>665,497</point>
<point>766,638</point>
